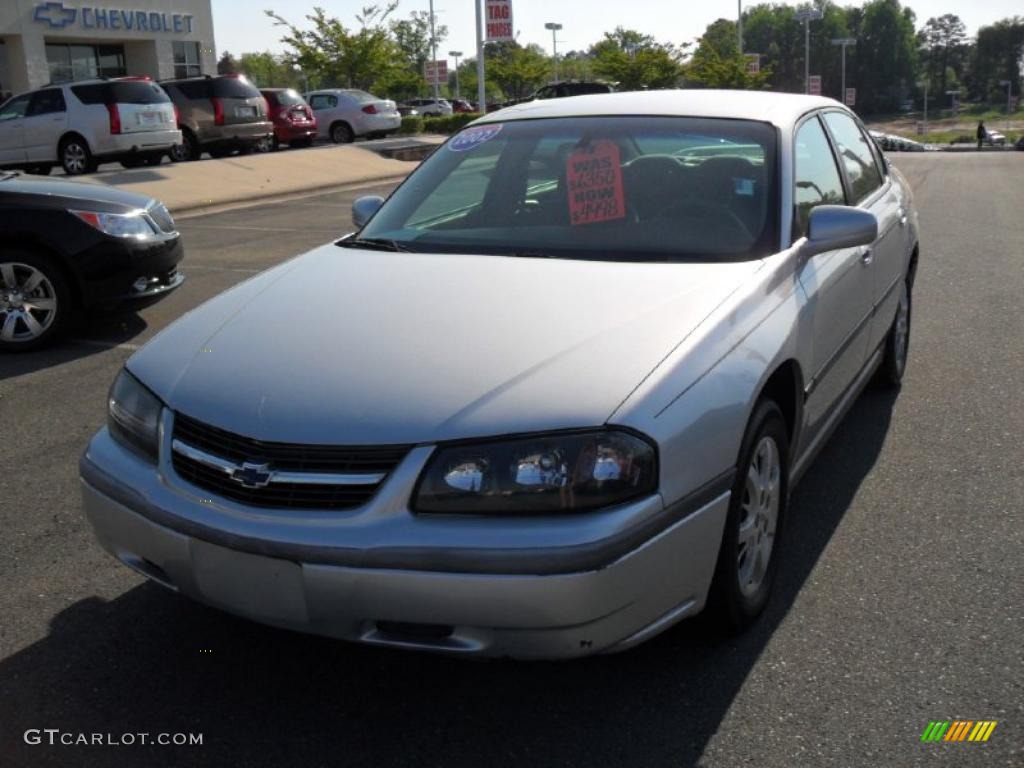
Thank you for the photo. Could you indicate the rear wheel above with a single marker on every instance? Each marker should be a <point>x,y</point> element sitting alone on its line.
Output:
<point>341,133</point>
<point>75,157</point>
<point>35,300</point>
<point>749,554</point>
<point>897,343</point>
<point>187,150</point>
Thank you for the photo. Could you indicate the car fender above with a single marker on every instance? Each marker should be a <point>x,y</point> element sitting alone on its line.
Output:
<point>697,402</point>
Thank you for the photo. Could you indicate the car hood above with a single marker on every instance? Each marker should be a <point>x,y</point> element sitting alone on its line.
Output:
<point>55,193</point>
<point>348,346</point>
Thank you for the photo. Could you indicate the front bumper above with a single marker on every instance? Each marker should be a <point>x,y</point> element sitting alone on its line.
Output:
<point>339,577</point>
<point>113,270</point>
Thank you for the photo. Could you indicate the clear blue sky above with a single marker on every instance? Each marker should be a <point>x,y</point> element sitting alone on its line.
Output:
<point>240,25</point>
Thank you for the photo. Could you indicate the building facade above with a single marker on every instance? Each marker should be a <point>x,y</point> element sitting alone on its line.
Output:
<point>60,40</point>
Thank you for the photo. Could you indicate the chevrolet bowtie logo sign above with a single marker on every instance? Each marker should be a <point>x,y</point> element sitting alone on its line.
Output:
<point>252,475</point>
<point>55,15</point>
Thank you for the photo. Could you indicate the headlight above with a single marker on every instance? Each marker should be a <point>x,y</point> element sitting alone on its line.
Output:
<point>133,415</point>
<point>128,225</point>
<point>568,472</point>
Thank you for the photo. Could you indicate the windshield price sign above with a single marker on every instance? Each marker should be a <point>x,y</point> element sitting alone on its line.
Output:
<point>594,176</point>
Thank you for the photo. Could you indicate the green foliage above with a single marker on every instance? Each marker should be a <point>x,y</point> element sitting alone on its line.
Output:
<point>411,124</point>
<point>518,71</point>
<point>334,55</point>
<point>997,56</point>
<point>635,61</point>
<point>267,70</point>
<point>226,64</point>
<point>710,69</point>
<point>448,123</point>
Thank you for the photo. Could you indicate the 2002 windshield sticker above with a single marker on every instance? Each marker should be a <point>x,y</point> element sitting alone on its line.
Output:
<point>594,176</point>
<point>471,138</point>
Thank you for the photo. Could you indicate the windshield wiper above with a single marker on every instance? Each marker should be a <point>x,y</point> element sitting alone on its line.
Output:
<point>374,243</point>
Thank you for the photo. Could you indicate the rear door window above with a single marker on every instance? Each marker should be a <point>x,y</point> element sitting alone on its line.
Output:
<point>47,102</point>
<point>323,101</point>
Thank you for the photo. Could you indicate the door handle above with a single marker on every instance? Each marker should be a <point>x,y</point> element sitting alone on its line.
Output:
<point>903,218</point>
<point>867,256</point>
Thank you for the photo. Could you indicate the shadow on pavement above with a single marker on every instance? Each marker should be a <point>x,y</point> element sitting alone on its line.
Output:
<point>269,697</point>
<point>94,334</point>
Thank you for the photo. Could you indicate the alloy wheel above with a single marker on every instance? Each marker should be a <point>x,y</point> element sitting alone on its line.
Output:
<point>759,515</point>
<point>901,334</point>
<point>28,302</point>
<point>75,158</point>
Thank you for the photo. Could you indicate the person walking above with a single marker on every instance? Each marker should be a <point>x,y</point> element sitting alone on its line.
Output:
<point>981,133</point>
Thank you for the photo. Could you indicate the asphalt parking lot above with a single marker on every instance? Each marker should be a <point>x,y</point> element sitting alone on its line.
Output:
<point>900,601</point>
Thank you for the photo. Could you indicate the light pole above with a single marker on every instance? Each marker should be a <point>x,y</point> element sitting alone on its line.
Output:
<point>806,16</point>
<point>844,41</point>
<point>481,90</point>
<point>925,86</point>
<point>739,27</point>
<point>1009,100</point>
<point>554,44</point>
<point>433,51</point>
<point>456,55</point>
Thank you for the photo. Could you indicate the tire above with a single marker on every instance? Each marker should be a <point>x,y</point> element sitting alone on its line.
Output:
<point>31,318</point>
<point>341,133</point>
<point>755,521</point>
<point>39,170</point>
<point>75,156</point>
<point>187,150</point>
<point>897,342</point>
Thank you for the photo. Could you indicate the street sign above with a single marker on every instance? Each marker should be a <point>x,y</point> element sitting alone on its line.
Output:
<point>814,85</point>
<point>753,63</point>
<point>851,96</point>
<point>809,14</point>
<point>435,72</point>
<point>498,19</point>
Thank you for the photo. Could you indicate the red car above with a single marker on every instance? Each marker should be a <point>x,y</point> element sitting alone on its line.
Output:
<point>294,123</point>
<point>461,105</point>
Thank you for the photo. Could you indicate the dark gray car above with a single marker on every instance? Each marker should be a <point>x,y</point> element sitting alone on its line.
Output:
<point>218,115</point>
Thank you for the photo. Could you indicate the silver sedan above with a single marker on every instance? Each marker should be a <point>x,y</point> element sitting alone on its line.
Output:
<point>550,399</point>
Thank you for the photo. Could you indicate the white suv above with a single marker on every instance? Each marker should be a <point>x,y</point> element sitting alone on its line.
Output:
<point>431,107</point>
<point>78,125</point>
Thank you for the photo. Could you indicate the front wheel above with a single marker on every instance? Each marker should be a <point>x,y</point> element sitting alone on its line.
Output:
<point>749,554</point>
<point>34,300</point>
<point>897,343</point>
<point>75,157</point>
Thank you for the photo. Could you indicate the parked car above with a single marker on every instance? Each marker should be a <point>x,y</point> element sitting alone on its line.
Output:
<point>892,143</point>
<point>344,114</point>
<point>406,111</point>
<point>550,399</point>
<point>219,115</point>
<point>294,123</point>
<point>462,106</point>
<point>79,125</point>
<point>571,88</point>
<point>995,139</point>
<point>431,107</point>
<point>69,247</point>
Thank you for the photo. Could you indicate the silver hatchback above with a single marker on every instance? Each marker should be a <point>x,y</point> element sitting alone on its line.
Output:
<point>549,400</point>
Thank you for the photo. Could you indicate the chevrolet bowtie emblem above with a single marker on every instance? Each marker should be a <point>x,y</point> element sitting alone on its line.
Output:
<point>252,475</point>
<point>55,15</point>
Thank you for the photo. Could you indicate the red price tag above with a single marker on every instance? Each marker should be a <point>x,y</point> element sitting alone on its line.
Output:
<point>594,176</point>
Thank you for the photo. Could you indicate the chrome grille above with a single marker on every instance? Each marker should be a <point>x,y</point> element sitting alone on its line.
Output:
<point>162,218</point>
<point>279,475</point>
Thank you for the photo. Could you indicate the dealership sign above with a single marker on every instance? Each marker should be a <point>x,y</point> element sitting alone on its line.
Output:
<point>436,72</point>
<point>499,21</point>
<point>56,15</point>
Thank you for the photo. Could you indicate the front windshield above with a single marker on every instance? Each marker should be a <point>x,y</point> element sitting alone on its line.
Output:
<point>612,188</point>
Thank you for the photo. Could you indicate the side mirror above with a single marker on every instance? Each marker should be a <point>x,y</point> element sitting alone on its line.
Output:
<point>831,227</point>
<point>364,208</point>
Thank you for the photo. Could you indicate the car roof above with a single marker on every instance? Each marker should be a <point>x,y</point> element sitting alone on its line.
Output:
<point>781,109</point>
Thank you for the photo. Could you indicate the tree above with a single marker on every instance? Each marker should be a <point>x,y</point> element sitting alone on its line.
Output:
<point>710,69</point>
<point>886,64</point>
<point>518,71</point>
<point>998,56</point>
<point>412,36</point>
<point>634,61</point>
<point>943,45</point>
<point>268,70</point>
<point>226,64</point>
<point>334,55</point>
